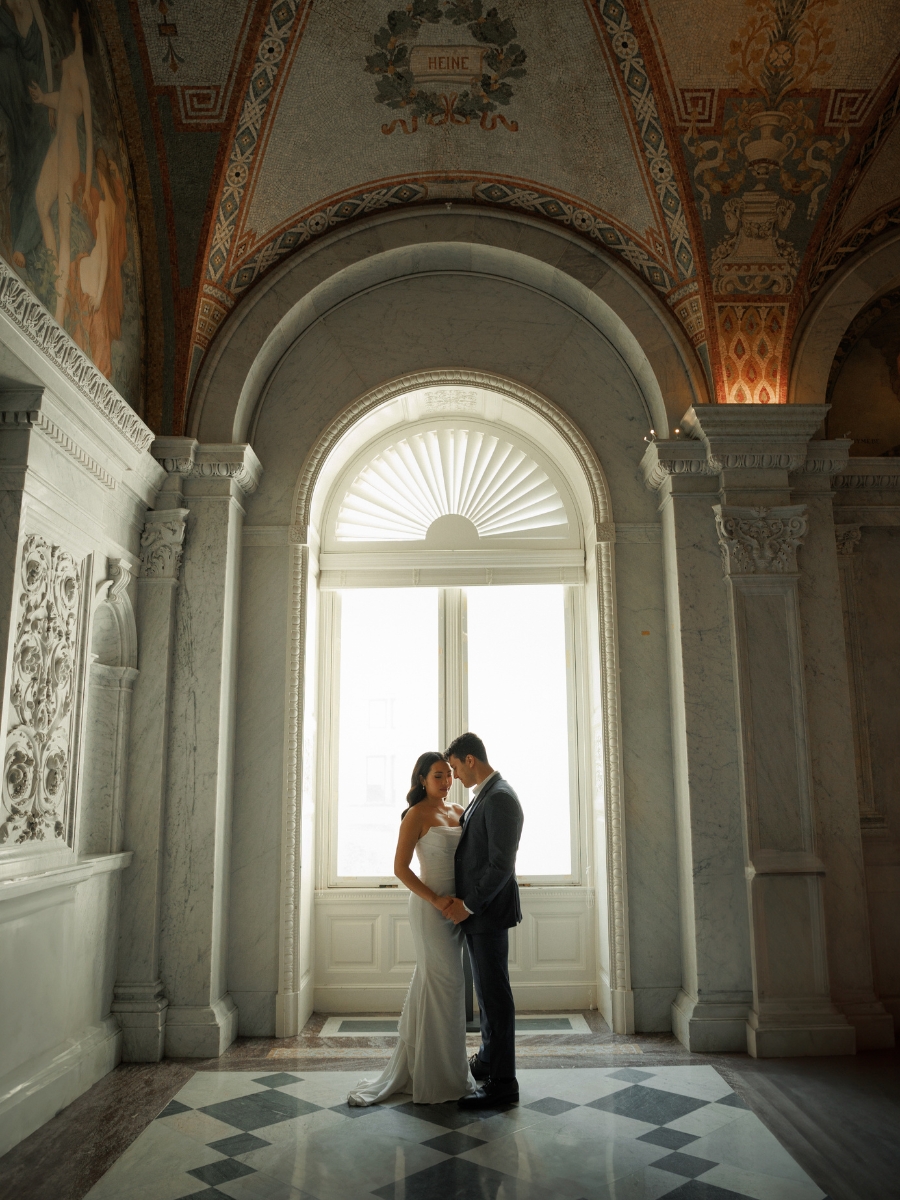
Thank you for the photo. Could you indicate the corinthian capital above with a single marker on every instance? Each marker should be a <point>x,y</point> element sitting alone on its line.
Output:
<point>760,541</point>
<point>162,543</point>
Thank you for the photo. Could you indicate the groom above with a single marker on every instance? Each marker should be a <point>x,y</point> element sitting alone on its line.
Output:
<point>487,906</point>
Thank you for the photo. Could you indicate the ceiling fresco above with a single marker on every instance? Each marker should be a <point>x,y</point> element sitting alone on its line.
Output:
<point>732,155</point>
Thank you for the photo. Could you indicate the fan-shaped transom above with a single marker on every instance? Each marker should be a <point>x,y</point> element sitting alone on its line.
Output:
<point>468,473</point>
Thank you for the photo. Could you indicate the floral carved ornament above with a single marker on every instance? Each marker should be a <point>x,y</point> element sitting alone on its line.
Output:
<point>42,697</point>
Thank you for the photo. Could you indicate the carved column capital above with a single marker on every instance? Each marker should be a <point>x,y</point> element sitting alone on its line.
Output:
<point>760,541</point>
<point>162,543</point>
<point>847,538</point>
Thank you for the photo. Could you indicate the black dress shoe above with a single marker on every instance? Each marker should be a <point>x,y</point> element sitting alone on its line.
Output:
<point>491,1096</point>
<point>480,1070</point>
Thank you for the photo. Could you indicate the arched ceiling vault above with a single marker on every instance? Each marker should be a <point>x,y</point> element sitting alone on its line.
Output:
<point>731,155</point>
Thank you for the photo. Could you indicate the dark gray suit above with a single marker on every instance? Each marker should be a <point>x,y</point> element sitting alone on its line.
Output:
<point>486,883</point>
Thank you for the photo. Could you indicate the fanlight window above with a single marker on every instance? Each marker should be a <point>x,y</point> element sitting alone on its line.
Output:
<point>450,472</point>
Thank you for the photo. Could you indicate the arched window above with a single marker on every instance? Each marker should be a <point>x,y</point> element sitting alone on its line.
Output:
<point>451,567</point>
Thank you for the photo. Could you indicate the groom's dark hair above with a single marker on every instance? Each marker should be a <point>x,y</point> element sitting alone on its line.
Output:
<point>466,744</point>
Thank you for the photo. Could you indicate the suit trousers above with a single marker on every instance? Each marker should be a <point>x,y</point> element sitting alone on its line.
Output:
<point>489,953</point>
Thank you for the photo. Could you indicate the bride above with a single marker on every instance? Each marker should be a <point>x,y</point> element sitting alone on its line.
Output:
<point>430,1058</point>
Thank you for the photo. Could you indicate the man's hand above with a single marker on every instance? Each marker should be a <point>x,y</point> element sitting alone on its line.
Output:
<point>456,911</point>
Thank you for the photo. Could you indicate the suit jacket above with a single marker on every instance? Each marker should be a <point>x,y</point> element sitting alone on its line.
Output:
<point>486,859</point>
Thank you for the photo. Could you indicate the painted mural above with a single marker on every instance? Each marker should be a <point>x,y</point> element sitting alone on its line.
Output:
<point>864,388</point>
<point>65,210</point>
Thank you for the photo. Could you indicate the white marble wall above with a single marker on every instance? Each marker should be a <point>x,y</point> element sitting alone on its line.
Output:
<point>76,475</point>
<point>868,502</point>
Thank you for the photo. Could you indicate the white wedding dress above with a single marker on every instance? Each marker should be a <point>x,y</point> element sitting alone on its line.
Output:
<point>430,1058</point>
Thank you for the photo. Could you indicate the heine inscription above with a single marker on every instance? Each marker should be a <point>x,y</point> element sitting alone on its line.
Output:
<point>446,64</point>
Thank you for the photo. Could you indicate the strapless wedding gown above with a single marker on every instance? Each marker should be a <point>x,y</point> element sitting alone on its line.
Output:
<point>430,1058</point>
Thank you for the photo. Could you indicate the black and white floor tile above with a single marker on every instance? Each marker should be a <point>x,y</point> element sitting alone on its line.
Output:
<point>583,1134</point>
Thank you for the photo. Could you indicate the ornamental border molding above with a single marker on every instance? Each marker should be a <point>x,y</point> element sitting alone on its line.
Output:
<point>348,417</point>
<point>289,939</point>
<point>23,308</point>
<point>876,474</point>
<point>620,965</point>
<point>607,754</point>
<point>760,541</point>
<point>35,419</point>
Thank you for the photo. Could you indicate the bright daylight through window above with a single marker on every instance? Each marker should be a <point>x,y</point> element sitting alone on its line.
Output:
<point>389,704</point>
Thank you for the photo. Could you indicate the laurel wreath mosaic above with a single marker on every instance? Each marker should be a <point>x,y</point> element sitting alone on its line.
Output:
<point>488,73</point>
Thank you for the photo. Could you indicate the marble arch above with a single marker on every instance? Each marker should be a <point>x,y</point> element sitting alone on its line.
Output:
<point>315,377</point>
<point>869,273</point>
<point>389,247</point>
<point>574,455</point>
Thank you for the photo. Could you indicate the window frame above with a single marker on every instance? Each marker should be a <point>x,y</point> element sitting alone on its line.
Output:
<point>452,704</point>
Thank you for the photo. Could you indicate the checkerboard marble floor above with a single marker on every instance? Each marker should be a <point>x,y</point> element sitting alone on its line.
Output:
<point>578,1134</point>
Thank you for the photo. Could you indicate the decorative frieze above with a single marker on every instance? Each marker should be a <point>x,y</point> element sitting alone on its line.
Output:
<point>162,543</point>
<point>22,307</point>
<point>189,459</point>
<point>44,698</point>
<point>678,457</point>
<point>760,541</point>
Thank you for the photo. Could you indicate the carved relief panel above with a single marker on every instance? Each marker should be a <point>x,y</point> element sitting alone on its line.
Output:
<point>44,698</point>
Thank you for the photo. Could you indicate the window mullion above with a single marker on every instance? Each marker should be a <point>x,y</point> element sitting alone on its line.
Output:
<point>453,674</point>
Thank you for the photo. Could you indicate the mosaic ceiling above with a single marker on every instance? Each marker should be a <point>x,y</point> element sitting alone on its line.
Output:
<point>731,154</point>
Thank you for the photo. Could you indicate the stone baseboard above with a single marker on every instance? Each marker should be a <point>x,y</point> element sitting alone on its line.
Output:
<point>201,1031</point>
<point>35,1093</point>
<point>792,1033</point>
<point>710,1028</point>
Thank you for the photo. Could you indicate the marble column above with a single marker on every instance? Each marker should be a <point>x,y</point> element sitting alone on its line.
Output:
<point>140,1003</point>
<point>711,1009</point>
<point>202,1017</point>
<point>756,451</point>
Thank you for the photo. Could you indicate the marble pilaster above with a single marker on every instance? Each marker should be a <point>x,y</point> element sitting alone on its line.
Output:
<point>710,1011</point>
<point>140,1003</point>
<point>841,772</point>
<point>202,1018</point>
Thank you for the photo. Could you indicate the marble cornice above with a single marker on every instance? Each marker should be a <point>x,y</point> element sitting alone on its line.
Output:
<point>873,474</point>
<point>729,438</point>
<point>827,457</point>
<point>189,459</point>
<point>680,456</point>
<point>20,305</point>
<point>755,437</point>
<point>32,417</point>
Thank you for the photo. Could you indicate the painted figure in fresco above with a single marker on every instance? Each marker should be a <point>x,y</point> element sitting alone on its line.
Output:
<point>24,63</point>
<point>61,179</point>
<point>95,285</point>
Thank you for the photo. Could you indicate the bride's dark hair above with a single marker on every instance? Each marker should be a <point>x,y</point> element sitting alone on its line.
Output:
<point>417,792</point>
